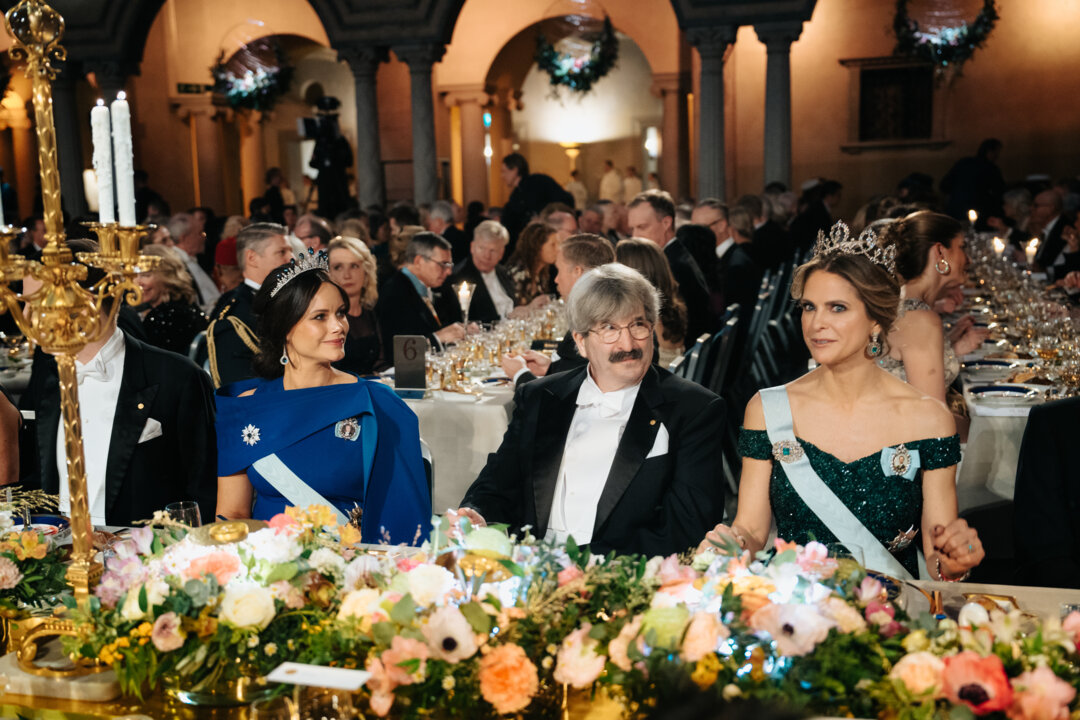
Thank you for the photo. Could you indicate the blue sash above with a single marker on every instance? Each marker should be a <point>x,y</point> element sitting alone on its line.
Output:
<point>821,500</point>
<point>291,487</point>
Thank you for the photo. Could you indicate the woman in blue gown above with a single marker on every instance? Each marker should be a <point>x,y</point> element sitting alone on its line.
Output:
<point>306,433</point>
<point>848,453</point>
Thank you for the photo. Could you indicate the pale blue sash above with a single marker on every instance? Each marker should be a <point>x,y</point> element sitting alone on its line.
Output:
<point>291,487</point>
<point>847,528</point>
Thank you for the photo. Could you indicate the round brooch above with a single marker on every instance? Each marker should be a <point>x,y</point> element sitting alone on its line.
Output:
<point>347,429</point>
<point>901,460</point>
<point>250,435</point>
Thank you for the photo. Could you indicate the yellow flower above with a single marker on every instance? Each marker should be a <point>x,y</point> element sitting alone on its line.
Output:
<point>32,545</point>
<point>916,641</point>
<point>757,665</point>
<point>143,640</point>
<point>706,671</point>
<point>145,629</point>
<point>350,535</point>
<point>123,642</point>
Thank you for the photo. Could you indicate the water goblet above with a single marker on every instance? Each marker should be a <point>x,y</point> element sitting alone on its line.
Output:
<point>186,512</point>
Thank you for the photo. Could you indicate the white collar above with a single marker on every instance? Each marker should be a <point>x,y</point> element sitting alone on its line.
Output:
<point>723,247</point>
<point>252,284</point>
<point>611,404</point>
<point>103,364</point>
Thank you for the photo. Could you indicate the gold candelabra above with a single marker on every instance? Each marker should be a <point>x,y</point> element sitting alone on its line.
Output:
<point>61,316</point>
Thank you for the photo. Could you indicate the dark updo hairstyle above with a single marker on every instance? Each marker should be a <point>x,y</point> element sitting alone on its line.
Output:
<point>278,315</point>
<point>915,235</point>
<point>877,288</point>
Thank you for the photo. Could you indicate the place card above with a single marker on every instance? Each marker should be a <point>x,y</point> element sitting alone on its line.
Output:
<point>410,365</point>
<point>319,676</point>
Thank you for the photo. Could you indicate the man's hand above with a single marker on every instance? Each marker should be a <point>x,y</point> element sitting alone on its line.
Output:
<point>469,514</point>
<point>1072,280</point>
<point>513,364</point>
<point>537,362</point>
<point>451,333</point>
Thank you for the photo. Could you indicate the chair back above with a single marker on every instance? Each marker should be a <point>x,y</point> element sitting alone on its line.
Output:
<point>429,468</point>
<point>695,356</point>
<point>197,351</point>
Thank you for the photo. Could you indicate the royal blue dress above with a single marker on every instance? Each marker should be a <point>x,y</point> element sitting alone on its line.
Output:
<point>354,444</point>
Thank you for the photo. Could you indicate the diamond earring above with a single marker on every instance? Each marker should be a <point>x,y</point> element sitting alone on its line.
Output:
<point>284,358</point>
<point>873,349</point>
<point>942,270</point>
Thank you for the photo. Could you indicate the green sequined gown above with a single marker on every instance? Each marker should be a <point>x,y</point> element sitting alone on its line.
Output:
<point>886,504</point>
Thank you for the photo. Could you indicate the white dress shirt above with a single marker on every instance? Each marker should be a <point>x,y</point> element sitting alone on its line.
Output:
<point>1060,259</point>
<point>208,292</point>
<point>591,442</point>
<point>503,302</point>
<point>723,247</point>
<point>99,388</point>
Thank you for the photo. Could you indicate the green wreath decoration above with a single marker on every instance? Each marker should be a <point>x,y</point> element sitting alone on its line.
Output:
<point>256,89</point>
<point>948,47</point>
<point>582,72</point>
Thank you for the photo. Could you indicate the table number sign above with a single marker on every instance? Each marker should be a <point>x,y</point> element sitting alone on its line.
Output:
<point>410,365</point>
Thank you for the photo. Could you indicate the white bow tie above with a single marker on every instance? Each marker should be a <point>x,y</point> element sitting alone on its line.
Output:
<point>610,404</point>
<point>96,369</point>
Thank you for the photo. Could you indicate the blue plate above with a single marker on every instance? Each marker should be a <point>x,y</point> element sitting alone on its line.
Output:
<point>1000,390</point>
<point>48,524</point>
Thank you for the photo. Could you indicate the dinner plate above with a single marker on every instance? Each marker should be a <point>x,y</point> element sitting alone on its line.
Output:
<point>47,524</point>
<point>1003,394</point>
<point>985,369</point>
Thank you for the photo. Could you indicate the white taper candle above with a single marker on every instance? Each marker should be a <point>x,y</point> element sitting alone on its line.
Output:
<point>103,166</point>
<point>122,153</point>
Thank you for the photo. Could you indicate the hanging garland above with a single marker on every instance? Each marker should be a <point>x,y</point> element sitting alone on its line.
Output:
<point>255,81</point>
<point>579,72</point>
<point>945,48</point>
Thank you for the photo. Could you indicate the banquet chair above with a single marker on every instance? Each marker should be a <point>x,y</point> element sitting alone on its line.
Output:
<point>197,351</point>
<point>721,373</point>
<point>429,469</point>
<point>679,365</point>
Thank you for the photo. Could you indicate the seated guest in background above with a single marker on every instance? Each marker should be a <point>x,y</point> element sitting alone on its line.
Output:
<point>10,427</point>
<point>701,242</point>
<point>931,259</point>
<point>313,231</point>
<point>440,221</point>
<point>529,194</point>
<point>530,265</point>
<point>393,258</point>
<point>190,241</point>
<point>713,214</point>
<point>408,303</point>
<point>560,218</point>
<point>352,268</point>
<point>403,215</point>
<point>770,244</point>
<point>738,275</point>
<point>230,338</point>
<point>147,425</point>
<point>493,297</point>
<point>1048,497</point>
<point>575,257</point>
<point>1047,217</point>
<point>172,318</point>
<point>651,216</point>
<point>592,220</point>
<point>33,241</point>
<point>227,274</point>
<point>620,455</point>
<point>305,433</point>
<point>848,453</point>
<point>649,260</point>
<point>817,207</point>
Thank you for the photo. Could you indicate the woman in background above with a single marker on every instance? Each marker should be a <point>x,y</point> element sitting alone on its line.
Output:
<point>171,318</point>
<point>530,265</point>
<point>648,259</point>
<point>352,267</point>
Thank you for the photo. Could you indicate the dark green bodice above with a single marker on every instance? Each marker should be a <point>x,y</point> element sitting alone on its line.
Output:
<point>887,504</point>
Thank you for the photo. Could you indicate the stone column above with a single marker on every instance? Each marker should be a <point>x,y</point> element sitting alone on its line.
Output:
<point>364,63</point>
<point>420,58</point>
<point>778,38</point>
<point>672,147</point>
<point>711,43</point>
<point>471,103</point>
<point>252,156</point>
<point>69,139</point>
<point>206,149</point>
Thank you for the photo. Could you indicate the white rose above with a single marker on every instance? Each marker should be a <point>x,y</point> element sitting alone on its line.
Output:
<point>360,604</point>
<point>274,548</point>
<point>973,615</point>
<point>360,571</point>
<point>429,584</point>
<point>652,567</point>
<point>131,610</point>
<point>327,562</point>
<point>247,606</point>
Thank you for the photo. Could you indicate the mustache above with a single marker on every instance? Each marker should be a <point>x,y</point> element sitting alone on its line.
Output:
<point>620,355</point>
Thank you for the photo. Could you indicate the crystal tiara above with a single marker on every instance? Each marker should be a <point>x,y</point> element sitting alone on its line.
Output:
<point>301,264</point>
<point>840,242</point>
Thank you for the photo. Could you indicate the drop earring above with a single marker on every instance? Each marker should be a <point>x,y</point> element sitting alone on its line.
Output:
<point>284,358</point>
<point>873,349</point>
<point>942,270</point>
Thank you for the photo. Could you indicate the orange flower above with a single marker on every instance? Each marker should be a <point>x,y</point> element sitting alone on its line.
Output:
<point>508,679</point>
<point>978,682</point>
<point>350,535</point>
<point>221,565</point>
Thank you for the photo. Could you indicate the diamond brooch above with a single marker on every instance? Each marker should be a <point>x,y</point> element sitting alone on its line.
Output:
<point>902,540</point>
<point>787,451</point>
<point>250,434</point>
<point>347,429</point>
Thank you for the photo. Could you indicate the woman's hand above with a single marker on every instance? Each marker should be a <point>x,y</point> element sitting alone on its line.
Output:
<point>971,341</point>
<point>961,326</point>
<point>959,548</point>
<point>720,536</point>
<point>1072,280</point>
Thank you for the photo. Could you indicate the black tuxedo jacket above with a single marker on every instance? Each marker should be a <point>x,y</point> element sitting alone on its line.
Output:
<point>401,311</point>
<point>654,506</point>
<point>771,246</point>
<point>738,277</point>
<point>1051,247</point>
<point>481,307</point>
<point>233,356</point>
<point>569,359</point>
<point>694,290</point>
<point>1047,499</point>
<point>141,477</point>
<point>459,243</point>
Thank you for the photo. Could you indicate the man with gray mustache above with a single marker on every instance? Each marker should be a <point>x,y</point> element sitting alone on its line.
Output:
<point>619,454</point>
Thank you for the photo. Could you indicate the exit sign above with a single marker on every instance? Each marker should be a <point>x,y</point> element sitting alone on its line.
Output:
<point>192,88</point>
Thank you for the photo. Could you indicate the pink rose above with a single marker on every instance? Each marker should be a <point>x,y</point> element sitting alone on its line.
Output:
<point>673,573</point>
<point>870,589</point>
<point>814,559</point>
<point>882,615</point>
<point>1039,694</point>
<point>618,649</point>
<point>1071,625</point>
<point>10,576</point>
<point>702,636</point>
<point>570,574</point>
<point>286,592</point>
<point>282,523</point>
<point>921,673</point>
<point>578,663</point>
<point>402,650</point>
<point>508,679</point>
<point>166,634</point>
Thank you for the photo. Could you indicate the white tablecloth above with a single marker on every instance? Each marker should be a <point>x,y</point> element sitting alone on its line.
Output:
<point>1041,601</point>
<point>460,435</point>
<point>988,472</point>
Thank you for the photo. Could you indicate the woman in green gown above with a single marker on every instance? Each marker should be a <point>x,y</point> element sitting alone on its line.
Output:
<point>848,453</point>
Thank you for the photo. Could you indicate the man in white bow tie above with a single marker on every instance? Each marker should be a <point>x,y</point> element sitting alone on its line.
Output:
<point>147,419</point>
<point>620,454</point>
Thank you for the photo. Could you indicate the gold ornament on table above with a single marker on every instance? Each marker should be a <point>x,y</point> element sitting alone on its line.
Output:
<point>63,317</point>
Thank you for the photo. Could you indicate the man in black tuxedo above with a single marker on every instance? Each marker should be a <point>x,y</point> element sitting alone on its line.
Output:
<point>493,296</point>
<point>147,418</point>
<point>573,258</point>
<point>416,301</point>
<point>1046,212</point>
<point>621,455</point>
<point>231,338</point>
<point>651,215</point>
<point>817,204</point>
<point>440,221</point>
<point>770,245</point>
<point>1047,498</point>
<point>530,193</point>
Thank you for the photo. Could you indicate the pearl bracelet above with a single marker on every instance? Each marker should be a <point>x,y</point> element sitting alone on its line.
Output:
<point>943,578</point>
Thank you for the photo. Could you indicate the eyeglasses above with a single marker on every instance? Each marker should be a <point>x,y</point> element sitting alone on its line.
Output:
<point>444,265</point>
<point>609,333</point>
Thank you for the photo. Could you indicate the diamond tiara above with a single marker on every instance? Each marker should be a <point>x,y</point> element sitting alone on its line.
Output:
<point>301,264</point>
<point>840,242</point>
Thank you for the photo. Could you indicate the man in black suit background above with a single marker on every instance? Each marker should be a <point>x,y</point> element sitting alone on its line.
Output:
<point>770,246</point>
<point>440,220</point>
<point>231,339</point>
<point>530,193</point>
<point>493,296</point>
<point>620,455</point>
<point>147,418</point>
<point>651,215</point>
<point>416,301</point>
<point>1046,213</point>
<point>573,258</point>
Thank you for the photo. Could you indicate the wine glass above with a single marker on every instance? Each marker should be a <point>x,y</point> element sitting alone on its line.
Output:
<point>186,512</point>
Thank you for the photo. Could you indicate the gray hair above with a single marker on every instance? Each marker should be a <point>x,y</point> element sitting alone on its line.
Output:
<point>424,243</point>
<point>254,237</point>
<point>179,225</point>
<point>492,230</point>
<point>610,292</point>
<point>442,210</point>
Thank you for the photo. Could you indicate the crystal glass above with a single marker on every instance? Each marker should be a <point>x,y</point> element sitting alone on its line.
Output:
<point>186,512</point>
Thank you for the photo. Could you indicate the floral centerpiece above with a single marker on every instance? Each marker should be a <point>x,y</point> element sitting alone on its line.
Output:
<point>31,570</point>
<point>481,624</point>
